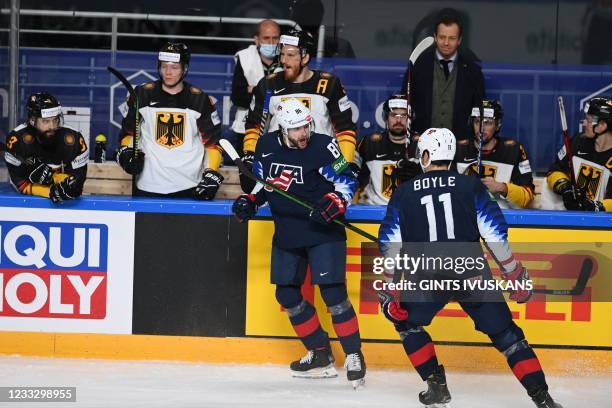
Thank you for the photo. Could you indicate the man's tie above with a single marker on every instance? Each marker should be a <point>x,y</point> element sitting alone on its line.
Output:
<point>445,67</point>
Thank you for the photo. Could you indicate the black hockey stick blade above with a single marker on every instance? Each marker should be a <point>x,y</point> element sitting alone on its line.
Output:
<point>123,80</point>
<point>581,282</point>
<point>231,152</point>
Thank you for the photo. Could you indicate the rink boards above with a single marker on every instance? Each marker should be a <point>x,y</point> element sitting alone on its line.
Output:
<point>115,277</point>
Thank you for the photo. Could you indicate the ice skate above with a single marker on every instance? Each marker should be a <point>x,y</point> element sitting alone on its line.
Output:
<point>318,363</point>
<point>542,399</point>
<point>355,369</point>
<point>437,394</point>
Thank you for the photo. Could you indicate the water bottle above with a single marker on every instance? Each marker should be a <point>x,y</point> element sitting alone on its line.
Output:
<point>100,151</point>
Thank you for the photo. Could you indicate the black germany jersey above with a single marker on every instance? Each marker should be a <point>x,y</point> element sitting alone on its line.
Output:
<point>67,154</point>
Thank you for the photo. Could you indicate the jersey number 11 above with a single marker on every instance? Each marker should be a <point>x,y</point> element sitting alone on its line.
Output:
<point>428,202</point>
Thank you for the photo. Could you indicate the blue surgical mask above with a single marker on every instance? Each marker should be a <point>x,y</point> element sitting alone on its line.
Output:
<point>268,50</point>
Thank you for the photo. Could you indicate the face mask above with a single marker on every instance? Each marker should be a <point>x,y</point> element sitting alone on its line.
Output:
<point>268,50</point>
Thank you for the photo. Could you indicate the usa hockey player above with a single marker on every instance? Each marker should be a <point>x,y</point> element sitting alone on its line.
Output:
<point>506,171</point>
<point>441,205</point>
<point>321,92</point>
<point>592,162</point>
<point>385,159</point>
<point>43,157</point>
<point>179,130</point>
<point>308,165</point>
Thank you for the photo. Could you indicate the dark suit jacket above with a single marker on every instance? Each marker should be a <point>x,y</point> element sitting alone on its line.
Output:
<point>469,92</point>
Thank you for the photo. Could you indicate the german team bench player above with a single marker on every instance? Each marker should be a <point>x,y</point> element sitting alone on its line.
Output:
<point>43,157</point>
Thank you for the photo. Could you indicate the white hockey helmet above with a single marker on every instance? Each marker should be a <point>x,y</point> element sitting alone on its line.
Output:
<point>292,114</point>
<point>439,142</point>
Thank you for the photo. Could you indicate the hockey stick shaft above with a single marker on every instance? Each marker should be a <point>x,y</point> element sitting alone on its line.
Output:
<point>229,149</point>
<point>134,97</point>
<point>581,282</point>
<point>263,126</point>
<point>566,140</point>
<point>480,137</point>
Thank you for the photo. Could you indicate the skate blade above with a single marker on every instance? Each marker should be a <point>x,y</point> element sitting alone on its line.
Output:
<point>358,384</point>
<point>440,405</point>
<point>321,372</point>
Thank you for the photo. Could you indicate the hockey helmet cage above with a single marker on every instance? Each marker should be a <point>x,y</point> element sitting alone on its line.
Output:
<point>439,142</point>
<point>43,105</point>
<point>300,39</point>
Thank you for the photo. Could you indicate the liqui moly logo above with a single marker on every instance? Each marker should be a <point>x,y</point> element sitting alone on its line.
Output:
<point>53,269</point>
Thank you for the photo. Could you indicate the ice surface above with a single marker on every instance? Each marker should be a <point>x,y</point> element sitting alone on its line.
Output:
<point>105,383</point>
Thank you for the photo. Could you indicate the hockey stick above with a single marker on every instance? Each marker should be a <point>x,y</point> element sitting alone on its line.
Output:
<point>416,53</point>
<point>567,141</point>
<point>134,97</point>
<point>263,126</point>
<point>481,137</point>
<point>583,278</point>
<point>231,152</point>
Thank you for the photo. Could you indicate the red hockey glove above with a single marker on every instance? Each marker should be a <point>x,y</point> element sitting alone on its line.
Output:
<point>391,307</point>
<point>519,274</point>
<point>330,206</point>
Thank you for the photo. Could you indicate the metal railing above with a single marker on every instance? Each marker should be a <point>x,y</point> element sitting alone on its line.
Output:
<point>114,32</point>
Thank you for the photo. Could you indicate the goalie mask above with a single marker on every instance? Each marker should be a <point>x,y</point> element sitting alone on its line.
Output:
<point>44,115</point>
<point>600,110</point>
<point>440,143</point>
<point>295,123</point>
<point>492,112</point>
<point>176,53</point>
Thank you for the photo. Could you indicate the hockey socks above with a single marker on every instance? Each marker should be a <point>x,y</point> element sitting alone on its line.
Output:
<point>306,324</point>
<point>420,350</point>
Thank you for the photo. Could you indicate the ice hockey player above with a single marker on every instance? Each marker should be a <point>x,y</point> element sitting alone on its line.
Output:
<point>308,165</point>
<point>321,92</point>
<point>443,206</point>
<point>179,128</point>
<point>505,171</point>
<point>43,157</point>
<point>386,159</point>
<point>592,162</point>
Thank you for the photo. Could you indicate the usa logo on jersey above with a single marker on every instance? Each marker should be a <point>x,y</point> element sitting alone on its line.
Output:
<point>282,175</point>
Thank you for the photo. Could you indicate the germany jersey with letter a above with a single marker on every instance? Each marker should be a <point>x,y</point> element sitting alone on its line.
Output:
<point>323,94</point>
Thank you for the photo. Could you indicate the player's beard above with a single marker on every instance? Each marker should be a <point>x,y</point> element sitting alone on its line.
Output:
<point>292,74</point>
<point>398,132</point>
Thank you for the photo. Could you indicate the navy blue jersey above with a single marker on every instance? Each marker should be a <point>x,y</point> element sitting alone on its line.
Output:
<point>443,206</point>
<point>309,174</point>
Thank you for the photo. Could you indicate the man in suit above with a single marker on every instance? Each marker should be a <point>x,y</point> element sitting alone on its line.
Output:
<point>446,82</point>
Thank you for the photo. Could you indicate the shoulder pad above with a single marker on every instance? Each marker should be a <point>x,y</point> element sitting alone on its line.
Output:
<point>69,138</point>
<point>325,75</point>
<point>509,142</point>
<point>272,75</point>
<point>462,142</point>
<point>375,137</point>
<point>27,137</point>
<point>149,85</point>
<point>195,90</point>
